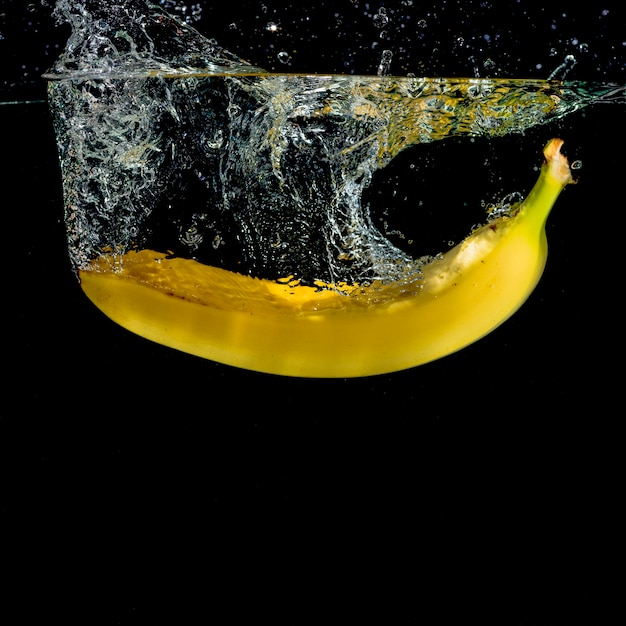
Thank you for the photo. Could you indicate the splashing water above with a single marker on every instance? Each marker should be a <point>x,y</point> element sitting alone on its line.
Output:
<point>169,142</point>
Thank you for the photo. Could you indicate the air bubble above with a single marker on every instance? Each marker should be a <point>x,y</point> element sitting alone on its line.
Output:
<point>217,141</point>
<point>284,57</point>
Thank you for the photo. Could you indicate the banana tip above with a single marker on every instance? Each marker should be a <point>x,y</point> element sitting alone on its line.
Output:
<point>557,163</point>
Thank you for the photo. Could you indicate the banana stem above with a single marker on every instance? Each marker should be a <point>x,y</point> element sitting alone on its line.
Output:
<point>554,177</point>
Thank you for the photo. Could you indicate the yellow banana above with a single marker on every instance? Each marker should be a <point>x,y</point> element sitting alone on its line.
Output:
<point>343,331</point>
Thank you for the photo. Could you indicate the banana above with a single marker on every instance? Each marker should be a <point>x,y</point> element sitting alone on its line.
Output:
<point>346,330</point>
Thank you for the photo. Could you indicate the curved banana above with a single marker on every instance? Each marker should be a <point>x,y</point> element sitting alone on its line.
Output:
<point>294,330</point>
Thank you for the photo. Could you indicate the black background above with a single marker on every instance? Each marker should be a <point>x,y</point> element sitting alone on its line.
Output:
<point>140,482</point>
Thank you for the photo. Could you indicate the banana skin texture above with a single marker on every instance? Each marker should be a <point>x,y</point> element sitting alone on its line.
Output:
<point>295,330</point>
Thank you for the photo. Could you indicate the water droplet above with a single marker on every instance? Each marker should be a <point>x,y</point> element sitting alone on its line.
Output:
<point>562,70</point>
<point>385,63</point>
<point>381,19</point>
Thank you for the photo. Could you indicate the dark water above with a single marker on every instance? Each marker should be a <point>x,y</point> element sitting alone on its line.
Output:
<point>492,473</point>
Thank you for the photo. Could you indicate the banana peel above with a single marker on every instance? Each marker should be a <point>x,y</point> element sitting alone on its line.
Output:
<point>346,331</point>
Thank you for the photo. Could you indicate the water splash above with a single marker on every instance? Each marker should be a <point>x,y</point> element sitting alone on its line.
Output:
<point>561,72</point>
<point>135,38</point>
<point>384,69</point>
<point>169,142</point>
